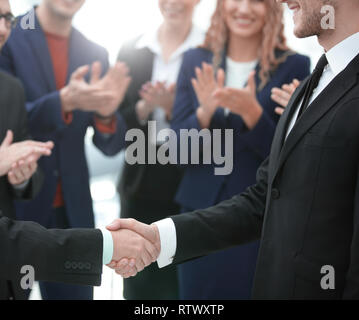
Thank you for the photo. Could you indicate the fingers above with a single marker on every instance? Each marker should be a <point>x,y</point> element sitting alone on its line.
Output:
<point>96,71</point>
<point>252,83</point>
<point>280,96</point>
<point>8,139</point>
<point>279,110</point>
<point>80,73</point>
<point>21,172</point>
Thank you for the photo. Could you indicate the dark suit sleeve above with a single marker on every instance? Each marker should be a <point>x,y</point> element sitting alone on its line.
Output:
<point>69,256</point>
<point>352,278</point>
<point>230,223</point>
<point>21,134</point>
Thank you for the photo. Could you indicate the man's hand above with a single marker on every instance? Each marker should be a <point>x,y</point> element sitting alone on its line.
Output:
<point>205,85</point>
<point>283,95</point>
<point>102,96</point>
<point>26,151</point>
<point>242,101</point>
<point>22,171</point>
<point>128,264</point>
<point>159,95</point>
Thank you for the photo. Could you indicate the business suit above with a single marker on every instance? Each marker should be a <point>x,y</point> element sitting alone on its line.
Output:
<point>201,188</point>
<point>26,56</point>
<point>146,191</point>
<point>56,255</point>
<point>13,117</point>
<point>304,206</point>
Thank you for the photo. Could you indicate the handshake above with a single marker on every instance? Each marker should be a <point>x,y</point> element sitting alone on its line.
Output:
<point>136,246</point>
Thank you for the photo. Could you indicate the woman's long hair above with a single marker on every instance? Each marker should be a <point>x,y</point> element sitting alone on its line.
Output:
<point>273,38</point>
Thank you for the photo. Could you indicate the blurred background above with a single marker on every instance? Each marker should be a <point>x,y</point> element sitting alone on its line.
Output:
<point>110,23</point>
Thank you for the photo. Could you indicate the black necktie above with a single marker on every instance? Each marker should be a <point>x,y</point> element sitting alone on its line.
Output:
<point>313,83</point>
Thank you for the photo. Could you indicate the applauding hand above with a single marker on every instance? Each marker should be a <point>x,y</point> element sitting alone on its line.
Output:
<point>205,86</point>
<point>18,160</point>
<point>242,101</point>
<point>159,95</point>
<point>102,96</point>
<point>283,95</point>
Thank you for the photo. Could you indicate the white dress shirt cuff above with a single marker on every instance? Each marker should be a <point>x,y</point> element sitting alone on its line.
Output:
<point>107,246</point>
<point>168,238</point>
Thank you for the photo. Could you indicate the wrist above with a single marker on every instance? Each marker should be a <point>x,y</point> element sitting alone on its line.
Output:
<point>66,101</point>
<point>252,117</point>
<point>204,117</point>
<point>143,110</point>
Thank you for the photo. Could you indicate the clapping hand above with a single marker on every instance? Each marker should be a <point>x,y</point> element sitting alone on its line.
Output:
<point>283,95</point>
<point>19,160</point>
<point>159,95</point>
<point>241,101</point>
<point>205,85</point>
<point>139,248</point>
<point>102,96</point>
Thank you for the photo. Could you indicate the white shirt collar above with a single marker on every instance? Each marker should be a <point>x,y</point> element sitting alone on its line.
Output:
<point>343,53</point>
<point>150,40</point>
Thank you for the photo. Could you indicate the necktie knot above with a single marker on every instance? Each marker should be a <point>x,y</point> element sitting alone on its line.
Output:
<point>312,83</point>
<point>322,63</point>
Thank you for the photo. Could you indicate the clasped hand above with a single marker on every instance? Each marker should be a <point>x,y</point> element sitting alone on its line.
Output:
<point>19,160</point>
<point>136,246</point>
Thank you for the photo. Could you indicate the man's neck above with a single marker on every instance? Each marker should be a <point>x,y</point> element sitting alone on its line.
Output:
<point>52,23</point>
<point>346,24</point>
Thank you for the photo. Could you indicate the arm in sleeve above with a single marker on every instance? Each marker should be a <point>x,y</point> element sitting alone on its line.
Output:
<point>33,186</point>
<point>52,253</point>
<point>230,223</point>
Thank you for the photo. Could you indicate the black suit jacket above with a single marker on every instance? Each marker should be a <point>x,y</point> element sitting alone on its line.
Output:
<point>304,207</point>
<point>139,181</point>
<point>55,255</point>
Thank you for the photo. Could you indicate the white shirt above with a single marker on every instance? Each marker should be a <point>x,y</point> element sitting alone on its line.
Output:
<point>237,74</point>
<point>338,57</point>
<point>167,71</point>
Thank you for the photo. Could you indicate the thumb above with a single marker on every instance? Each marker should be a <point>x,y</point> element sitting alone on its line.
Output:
<point>252,83</point>
<point>221,78</point>
<point>96,71</point>
<point>142,229</point>
<point>115,225</point>
<point>8,139</point>
<point>80,73</point>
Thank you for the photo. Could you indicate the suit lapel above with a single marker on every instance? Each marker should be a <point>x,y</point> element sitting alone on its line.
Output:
<point>284,120</point>
<point>327,99</point>
<point>37,41</point>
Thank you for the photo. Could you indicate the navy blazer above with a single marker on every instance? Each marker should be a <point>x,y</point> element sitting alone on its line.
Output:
<point>26,56</point>
<point>200,187</point>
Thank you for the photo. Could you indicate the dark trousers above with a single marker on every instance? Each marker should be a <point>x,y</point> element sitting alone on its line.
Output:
<point>60,291</point>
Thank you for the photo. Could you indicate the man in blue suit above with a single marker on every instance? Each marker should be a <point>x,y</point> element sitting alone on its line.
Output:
<point>52,60</point>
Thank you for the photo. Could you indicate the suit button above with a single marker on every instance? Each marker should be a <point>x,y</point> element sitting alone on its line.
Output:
<point>275,194</point>
<point>74,265</point>
<point>88,266</point>
<point>81,265</point>
<point>67,265</point>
